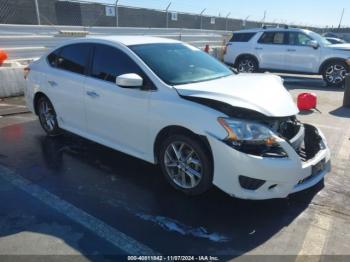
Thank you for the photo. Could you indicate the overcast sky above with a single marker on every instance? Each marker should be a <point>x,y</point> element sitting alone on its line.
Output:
<point>310,12</point>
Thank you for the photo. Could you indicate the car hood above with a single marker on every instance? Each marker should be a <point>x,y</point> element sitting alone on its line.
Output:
<point>263,93</point>
<point>345,47</point>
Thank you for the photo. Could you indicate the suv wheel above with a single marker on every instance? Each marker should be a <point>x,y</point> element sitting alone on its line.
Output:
<point>185,164</point>
<point>247,65</point>
<point>334,73</point>
<point>47,117</point>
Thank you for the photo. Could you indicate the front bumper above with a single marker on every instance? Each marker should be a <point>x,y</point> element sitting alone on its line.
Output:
<point>281,176</point>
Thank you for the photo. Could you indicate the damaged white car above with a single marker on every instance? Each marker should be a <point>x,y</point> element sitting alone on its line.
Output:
<point>171,104</point>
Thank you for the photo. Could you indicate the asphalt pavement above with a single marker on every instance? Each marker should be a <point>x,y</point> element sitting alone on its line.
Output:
<point>67,195</point>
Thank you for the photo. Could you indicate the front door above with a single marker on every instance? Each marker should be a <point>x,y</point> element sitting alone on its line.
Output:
<point>116,116</point>
<point>300,56</point>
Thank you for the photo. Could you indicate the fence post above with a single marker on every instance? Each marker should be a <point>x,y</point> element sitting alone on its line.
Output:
<point>167,15</point>
<point>346,101</point>
<point>37,11</point>
<point>201,17</point>
<point>116,13</point>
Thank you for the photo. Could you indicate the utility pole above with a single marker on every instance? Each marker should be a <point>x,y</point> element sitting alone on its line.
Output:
<point>201,15</point>
<point>264,18</point>
<point>37,12</point>
<point>245,21</point>
<point>341,18</point>
<point>227,20</point>
<point>116,13</point>
<point>167,14</point>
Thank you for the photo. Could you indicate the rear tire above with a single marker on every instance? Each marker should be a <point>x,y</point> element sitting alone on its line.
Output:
<point>247,64</point>
<point>334,73</point>
<point>47,117</point>
<point>186,164</point>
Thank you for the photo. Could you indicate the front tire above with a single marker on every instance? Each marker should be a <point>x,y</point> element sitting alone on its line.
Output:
<point>247,64</point>
<point>334,73</point>
<point>186,164</point>
<point>47,117</point>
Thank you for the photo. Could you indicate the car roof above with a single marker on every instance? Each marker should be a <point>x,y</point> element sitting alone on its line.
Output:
<point>129,40</point>
<point>271,29</point>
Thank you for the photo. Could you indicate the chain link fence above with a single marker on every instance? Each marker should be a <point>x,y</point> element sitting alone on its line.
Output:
<point>89,14</point>
<point>80,13</point>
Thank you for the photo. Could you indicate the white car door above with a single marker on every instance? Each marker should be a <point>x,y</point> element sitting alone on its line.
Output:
<point>65,78</point>
<point>271,50</point>
<point>116,116</point>
<point>300,56</point>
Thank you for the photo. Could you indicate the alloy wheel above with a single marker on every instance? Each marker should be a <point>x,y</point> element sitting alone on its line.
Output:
<point>246,66</point>
<point>47,115</point>
<point>335,74</point>
<point>183,165</point>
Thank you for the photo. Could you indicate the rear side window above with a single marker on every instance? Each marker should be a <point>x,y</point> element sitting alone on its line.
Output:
<point>242,37</point>
<point>53,57</point>
<point>109,62</point>
<point>275,38</point>
<point>72,58</point>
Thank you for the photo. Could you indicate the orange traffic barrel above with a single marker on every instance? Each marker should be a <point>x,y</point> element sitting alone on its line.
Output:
<point>3,56</point>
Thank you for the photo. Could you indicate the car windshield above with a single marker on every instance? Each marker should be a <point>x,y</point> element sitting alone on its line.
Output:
<point>178,64</point>
<point>320,39</point>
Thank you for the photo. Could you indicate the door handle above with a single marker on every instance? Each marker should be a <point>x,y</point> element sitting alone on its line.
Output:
<point>258,48</point>
<point>291,50</point>
<point>92,94</point>
<point>52,83</point>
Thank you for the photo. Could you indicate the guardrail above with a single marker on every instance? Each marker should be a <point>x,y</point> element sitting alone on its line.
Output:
<point>27,41</point>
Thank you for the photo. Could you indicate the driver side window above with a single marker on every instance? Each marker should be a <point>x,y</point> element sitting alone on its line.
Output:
<point>109,62</point>
<point>296,38</point>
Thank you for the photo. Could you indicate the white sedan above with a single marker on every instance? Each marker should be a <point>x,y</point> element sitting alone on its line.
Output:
<point>171,104</point>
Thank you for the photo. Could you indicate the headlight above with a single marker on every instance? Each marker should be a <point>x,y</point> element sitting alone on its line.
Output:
<point>240,131</point>
<point>251,138</point>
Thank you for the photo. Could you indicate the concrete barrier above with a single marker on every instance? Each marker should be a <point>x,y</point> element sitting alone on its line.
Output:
<point>12,81</point>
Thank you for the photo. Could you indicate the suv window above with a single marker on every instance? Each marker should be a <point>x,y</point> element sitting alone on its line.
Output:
<point>276,38</point>
<point>242,37</point>
<point>297,38</point>
<point>72,58</point>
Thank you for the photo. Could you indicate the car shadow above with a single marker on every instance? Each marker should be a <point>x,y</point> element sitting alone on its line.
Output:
<point>233,219</point>
<point>133,197</point>
<point>341,112</point>
<point>302,82</point>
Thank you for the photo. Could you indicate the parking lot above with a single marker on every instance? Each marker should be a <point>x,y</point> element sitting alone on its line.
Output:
<point>66,195</point>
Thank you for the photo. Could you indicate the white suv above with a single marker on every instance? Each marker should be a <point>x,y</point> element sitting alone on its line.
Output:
<point>172,104</point>
<point>288,50</point>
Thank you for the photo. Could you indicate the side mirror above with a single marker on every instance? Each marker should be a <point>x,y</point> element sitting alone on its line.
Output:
<point>313,43</point>
<point>129,80</point>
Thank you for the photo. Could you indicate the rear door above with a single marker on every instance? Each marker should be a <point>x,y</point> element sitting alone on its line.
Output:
<point>301,57</point>
<point>271,50</point>
<point>65,84</point>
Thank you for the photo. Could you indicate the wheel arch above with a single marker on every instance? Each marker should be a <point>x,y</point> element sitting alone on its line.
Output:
<point>175,129</point>
<point>329,60</point>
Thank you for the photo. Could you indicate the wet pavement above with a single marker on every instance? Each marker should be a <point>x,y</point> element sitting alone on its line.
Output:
<point>128,196</point>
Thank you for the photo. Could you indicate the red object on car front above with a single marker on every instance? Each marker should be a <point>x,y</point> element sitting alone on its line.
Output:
<point>307,101</point>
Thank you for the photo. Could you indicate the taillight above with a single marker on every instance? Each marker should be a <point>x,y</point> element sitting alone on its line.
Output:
<point>26,72</point>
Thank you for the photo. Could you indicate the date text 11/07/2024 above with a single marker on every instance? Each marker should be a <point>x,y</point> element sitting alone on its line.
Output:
<point>173,258</point>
